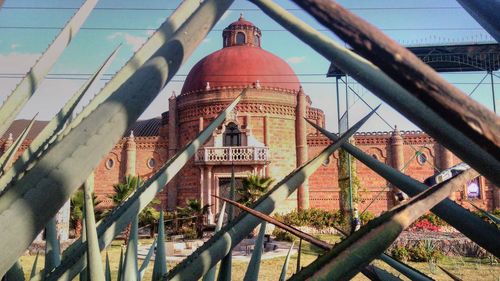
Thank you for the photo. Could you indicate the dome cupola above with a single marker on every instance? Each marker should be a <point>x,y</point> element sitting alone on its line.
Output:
<point>241,63</point>
<point>241,33</point>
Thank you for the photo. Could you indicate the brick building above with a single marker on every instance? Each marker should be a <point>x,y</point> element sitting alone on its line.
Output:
<point>265,134</point>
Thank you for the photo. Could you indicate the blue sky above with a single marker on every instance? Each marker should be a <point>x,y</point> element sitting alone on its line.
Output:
<point>409,22</point>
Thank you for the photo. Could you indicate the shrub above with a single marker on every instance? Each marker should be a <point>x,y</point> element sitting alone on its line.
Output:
<point>400,253</point>
<point>281,235</point>
<point>366,217</point>
<point>312,217</point>
<point>425,251</point>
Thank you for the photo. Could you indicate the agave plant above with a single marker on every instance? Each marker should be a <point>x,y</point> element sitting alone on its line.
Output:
<point>66,155</point>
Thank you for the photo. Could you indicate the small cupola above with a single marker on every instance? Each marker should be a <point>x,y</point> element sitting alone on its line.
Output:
<point>241,33</point>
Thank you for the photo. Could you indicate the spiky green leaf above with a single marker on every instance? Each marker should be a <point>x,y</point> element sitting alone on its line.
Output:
<point>130,266</point>
<point>108,268</point>
<point>66,165</point>
<point>451,275</point>
<point>346,259</point>
<point>52,248</point>
<point>285,263</point>
<point>119,276</point>
<point>457,216</point>
<point>252,273</point>
<point>492,217</point>
<point>160,264</point>
<point>210,276</point>
<point>8,156</point>
<point>15,273</point>
<point>43,140</point>
<point>28,85</point>
<point>147,259</point>
<point>94,264</point>
<point>222,242</point>
<point>34,266</point>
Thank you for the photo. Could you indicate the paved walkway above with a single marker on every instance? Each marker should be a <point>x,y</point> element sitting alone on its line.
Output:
<point>177,251</point>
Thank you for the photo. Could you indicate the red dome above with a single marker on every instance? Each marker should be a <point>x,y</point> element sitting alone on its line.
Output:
<point>241,66</point>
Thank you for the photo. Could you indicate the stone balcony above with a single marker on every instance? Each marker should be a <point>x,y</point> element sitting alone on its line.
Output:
<point>248,155</point>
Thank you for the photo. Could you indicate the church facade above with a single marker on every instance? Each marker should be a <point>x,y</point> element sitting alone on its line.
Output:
<point>266,134</point>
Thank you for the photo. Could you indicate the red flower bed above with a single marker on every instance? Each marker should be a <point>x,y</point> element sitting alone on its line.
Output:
<point>424,225</point>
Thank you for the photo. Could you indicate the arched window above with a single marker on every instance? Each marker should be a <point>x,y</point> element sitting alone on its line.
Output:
<point>256,40</point>
<point>240,38</point>
<point>226,41</point>
<point>232,135</point>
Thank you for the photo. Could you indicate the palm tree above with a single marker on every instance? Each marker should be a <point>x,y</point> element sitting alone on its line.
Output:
<point>195,209</point>
<point>123,191</point>
<point>76,213</point>
<point>253,187</point>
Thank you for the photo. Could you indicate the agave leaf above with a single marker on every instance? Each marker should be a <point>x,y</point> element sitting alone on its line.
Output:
<point>52,248</point>
<point>492,217</point>
<point>108,268</point>
<point>384,275</point>
<point>253,268</point>
<point>285,264</point>
<point>299,255</point>
<point>297,232</point>
<point>35,264</point>
<point>83,274</point>
<point>457,216</point>
<point>8,155</point>
<point>111,226</point>
<point>94,263</point>
<point>210,276</point>
<point>147,259</point>
<point>451,275</point>
<point>222,242</point>
<point>347,258</point>
<point>41,142</point>
<point>367,271</point>
<point>379,83</point>
<point>130,267</point>
<point>226,265</point>
<point>67,164</point>
<point>120,266</point>
<point>160,264</point>
<point>15,273</point>
<point>408,271</point>
<point>28,85</point>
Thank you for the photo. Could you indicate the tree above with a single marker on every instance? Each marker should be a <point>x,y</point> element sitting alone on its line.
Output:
<point>76,213</point>
<point>150,216</point>
<point>253,187</point>
<point>194,209</point>
<point>123,191</point>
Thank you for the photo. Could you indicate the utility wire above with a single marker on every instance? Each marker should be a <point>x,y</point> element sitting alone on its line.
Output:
<point>220,30</point>
<point>235,9</point>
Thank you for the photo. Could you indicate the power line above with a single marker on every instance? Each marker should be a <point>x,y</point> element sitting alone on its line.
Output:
<point>234,9</point>
<point>236,82</point>
<point>220,30</point>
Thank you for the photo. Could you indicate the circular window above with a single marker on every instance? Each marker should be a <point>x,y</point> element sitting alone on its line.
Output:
<point>375,156</point>
<point>110,163</point>
<point>421,158</point>
<point>326,161</point>
<point>151,163</point>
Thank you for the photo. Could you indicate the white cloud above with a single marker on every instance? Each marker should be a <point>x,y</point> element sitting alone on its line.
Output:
<point>206,40</point>
<point>14,46</point>
<point>134,41</point>
<point>295,60</point>
<point>17,62</point>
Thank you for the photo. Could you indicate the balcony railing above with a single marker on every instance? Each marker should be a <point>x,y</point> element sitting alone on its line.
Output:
<point>230,154</point>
